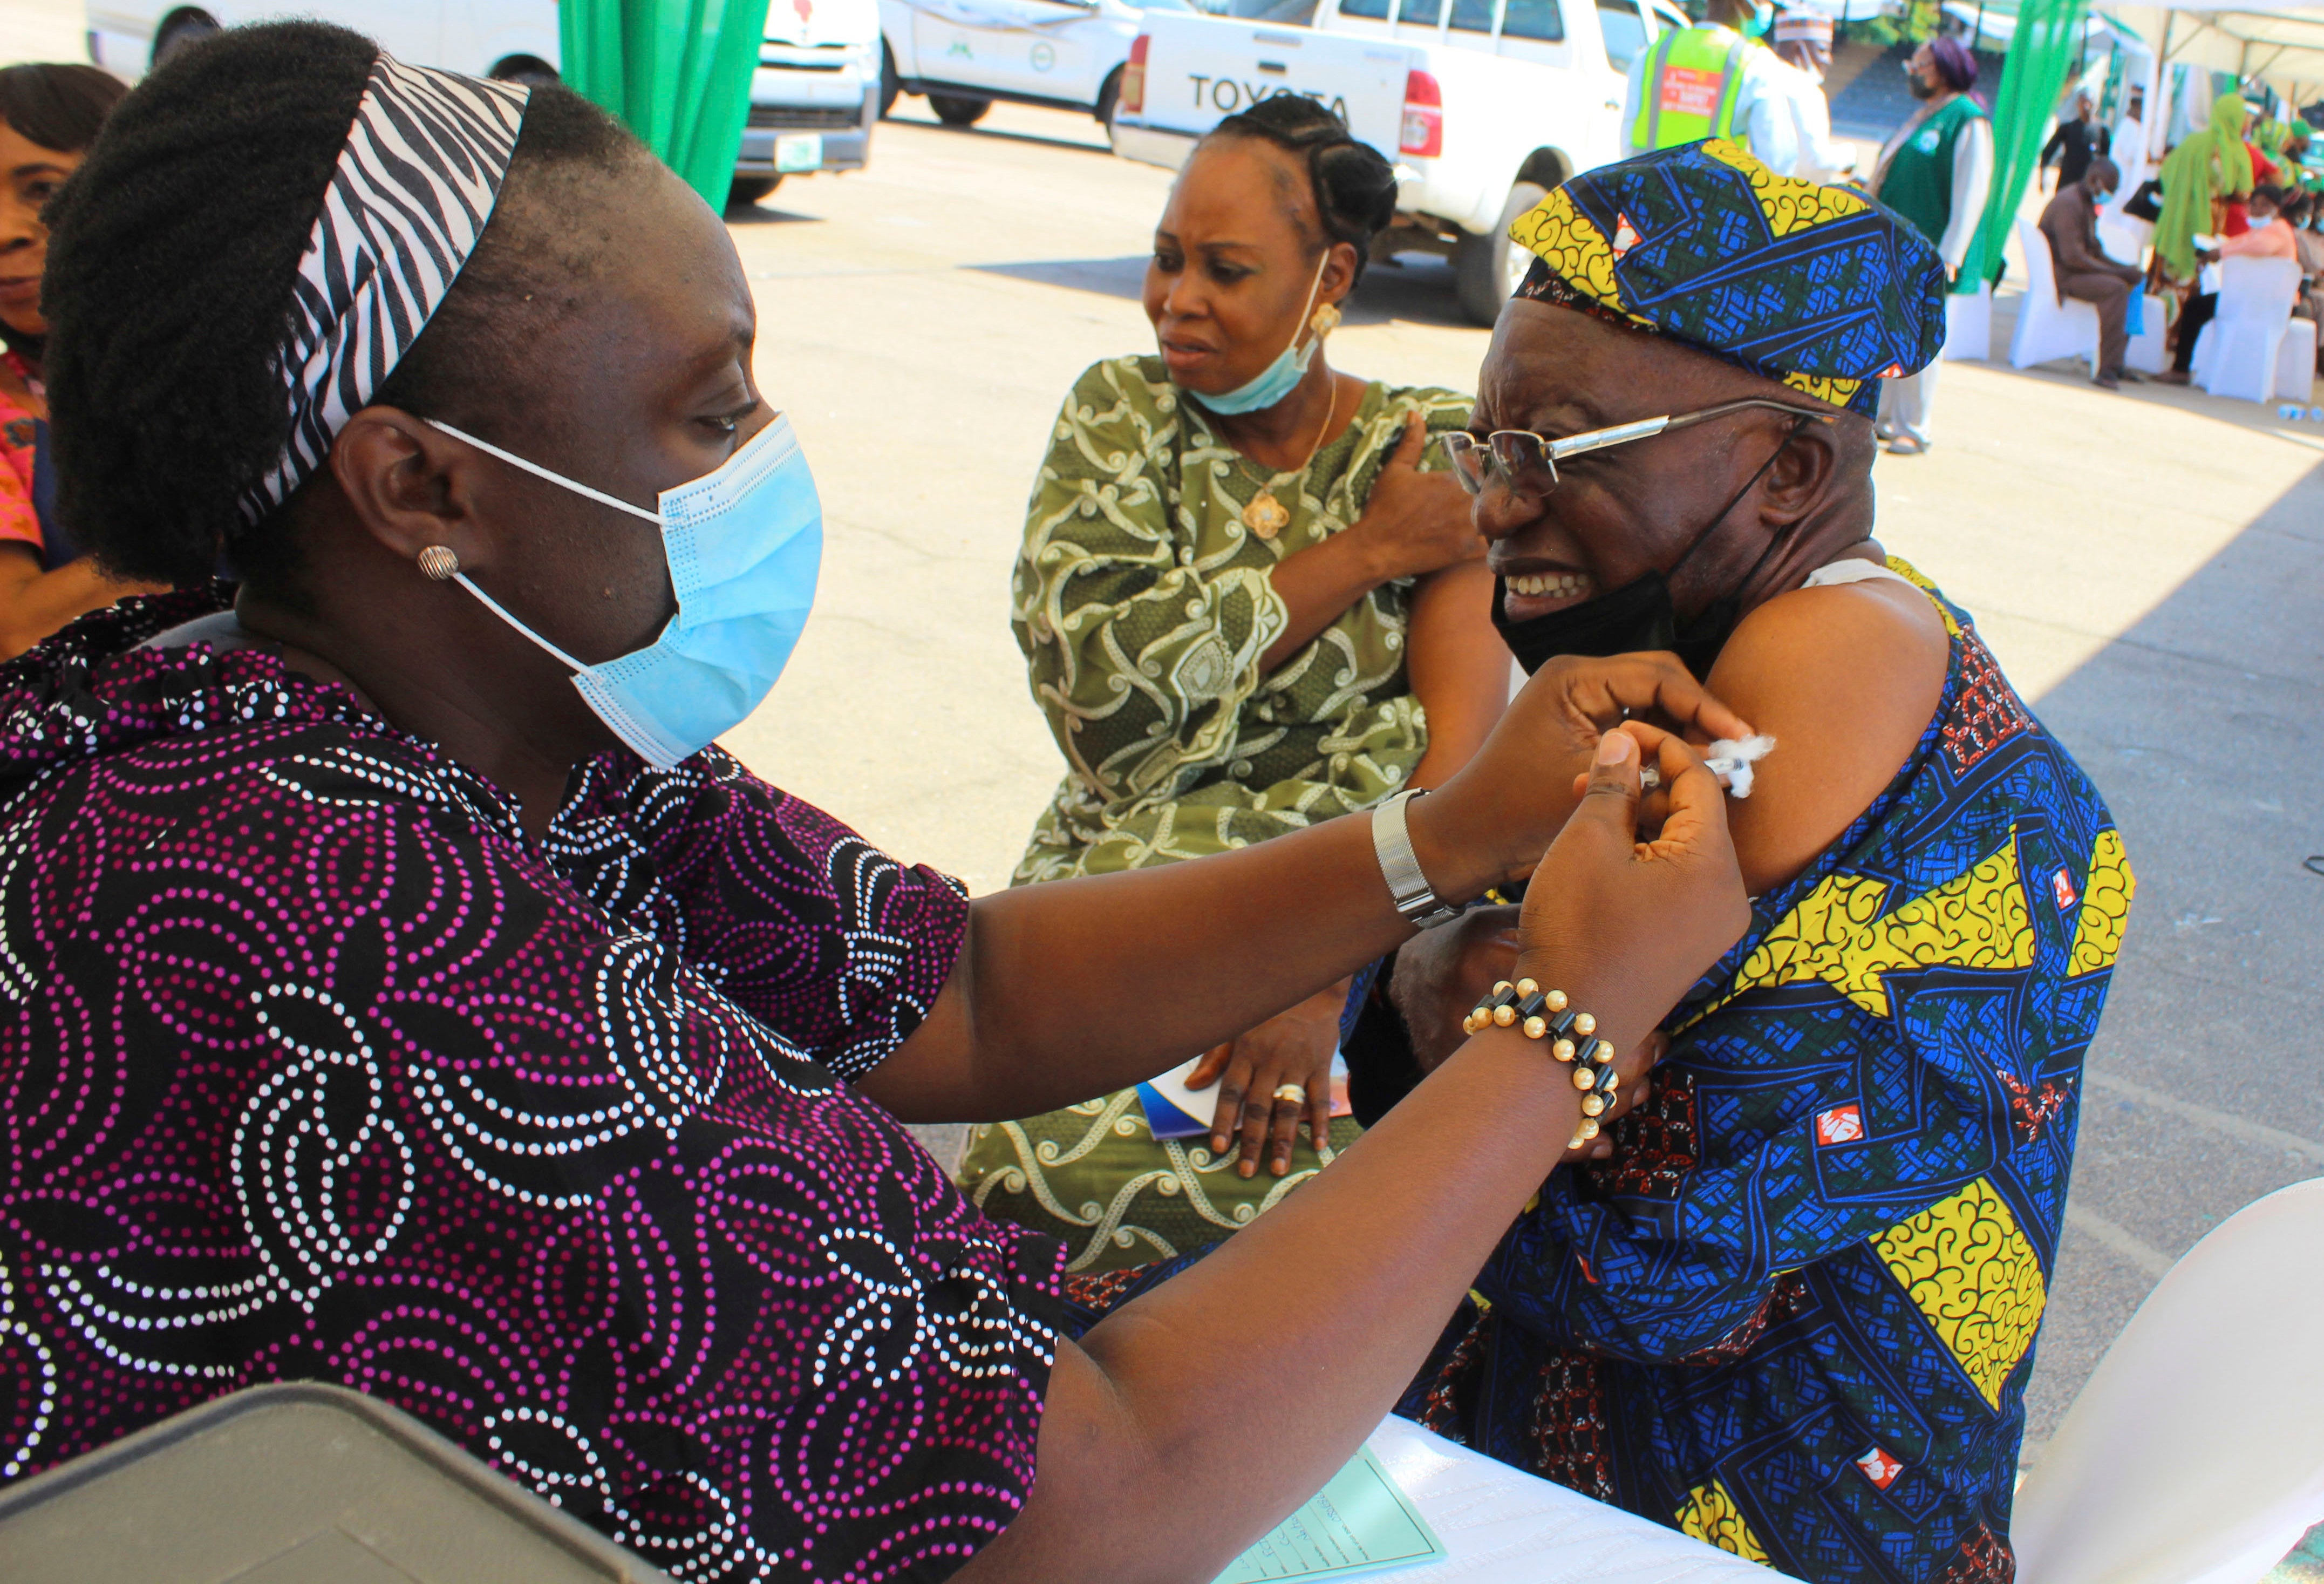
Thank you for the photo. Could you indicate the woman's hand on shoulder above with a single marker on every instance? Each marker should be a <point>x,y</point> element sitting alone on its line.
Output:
<point>1417,523</point>
<point>1845,679</point>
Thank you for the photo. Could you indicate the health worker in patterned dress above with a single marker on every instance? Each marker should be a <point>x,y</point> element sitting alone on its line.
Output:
<point>403,992</point>
<point>1250,598</point>
<point>1795,1313</point>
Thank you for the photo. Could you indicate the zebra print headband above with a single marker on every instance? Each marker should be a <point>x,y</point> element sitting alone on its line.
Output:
<point>412,193</point>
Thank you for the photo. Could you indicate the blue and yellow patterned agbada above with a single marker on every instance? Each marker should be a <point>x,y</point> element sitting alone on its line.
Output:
<point>1813,287</point>
<point>1794,1315</point>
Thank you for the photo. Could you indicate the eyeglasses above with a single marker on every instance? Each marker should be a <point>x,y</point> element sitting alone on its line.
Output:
<point>1524,463</point>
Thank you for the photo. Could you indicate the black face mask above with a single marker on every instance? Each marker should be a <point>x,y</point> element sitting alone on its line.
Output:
<point>1638,615</point>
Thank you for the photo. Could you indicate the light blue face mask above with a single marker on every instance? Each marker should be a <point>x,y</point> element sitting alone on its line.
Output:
<point>745,543</point>
<point>1763,17</point>
<point>1279,379</point>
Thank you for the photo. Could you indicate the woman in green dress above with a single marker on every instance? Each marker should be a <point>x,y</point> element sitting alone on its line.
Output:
<point>1250,600</point>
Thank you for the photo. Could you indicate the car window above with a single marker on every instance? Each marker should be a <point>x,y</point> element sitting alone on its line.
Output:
<point>1533,19</point>
<point>1473,16</point>
<point>1370,10</point>
<point>1425,13</point>
<point>1164,5</point>
<point>1625,33</point>
<point>1290,12</point>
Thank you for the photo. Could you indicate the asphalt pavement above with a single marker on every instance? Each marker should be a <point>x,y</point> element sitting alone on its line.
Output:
<point>2148,565</point>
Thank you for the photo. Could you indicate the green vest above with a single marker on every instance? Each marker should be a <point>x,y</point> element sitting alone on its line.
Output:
<point>1919,184</point>
<point>1687,92</point>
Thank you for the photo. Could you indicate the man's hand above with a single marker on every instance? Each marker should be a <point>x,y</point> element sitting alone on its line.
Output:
<point>1294,1047</point>
<point>1440,974</point>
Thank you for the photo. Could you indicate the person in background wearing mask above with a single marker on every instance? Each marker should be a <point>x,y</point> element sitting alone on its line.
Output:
<point>1804,54</point>
<point>1935,170</point>
<point>49,116</point>
<point>1714,79</point>
<point>2300,213</point>
<point>2084,270</point>
<point>1251,598</point>
<point>1794,1314</point>
<point>2076,142</point>
<point>2265,235</point>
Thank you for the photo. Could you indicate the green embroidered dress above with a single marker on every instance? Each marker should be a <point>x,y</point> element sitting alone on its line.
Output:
<point>1143,605</point>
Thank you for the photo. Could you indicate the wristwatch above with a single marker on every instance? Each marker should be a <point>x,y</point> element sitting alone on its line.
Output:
<point>1415,899</point>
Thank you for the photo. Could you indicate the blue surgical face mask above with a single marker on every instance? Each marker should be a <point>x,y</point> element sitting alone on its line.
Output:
<point>1763,17</point>
<point>745,543</point>
<point>1279,379</point>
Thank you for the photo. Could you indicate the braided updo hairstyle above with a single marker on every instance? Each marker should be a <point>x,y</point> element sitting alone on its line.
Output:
<point>1353,187</point>
<point>172,254</point>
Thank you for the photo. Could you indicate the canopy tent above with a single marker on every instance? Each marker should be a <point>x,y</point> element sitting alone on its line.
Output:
<point>2281,45</point>
<point>678,73</point>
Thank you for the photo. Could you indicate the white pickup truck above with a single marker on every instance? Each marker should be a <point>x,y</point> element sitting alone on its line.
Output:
<point>1483,105</point>
<point>963,54</point>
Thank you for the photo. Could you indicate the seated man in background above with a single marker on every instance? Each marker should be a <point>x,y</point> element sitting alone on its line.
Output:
<point>2085,271</point>
<point>1794,1312</point>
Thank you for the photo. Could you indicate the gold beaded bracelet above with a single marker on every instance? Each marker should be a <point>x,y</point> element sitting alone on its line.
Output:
<point>1546,1015</point>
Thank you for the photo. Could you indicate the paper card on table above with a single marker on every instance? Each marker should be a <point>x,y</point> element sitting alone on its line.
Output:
<point>1358,1523</point>
<point>1175,1111</point>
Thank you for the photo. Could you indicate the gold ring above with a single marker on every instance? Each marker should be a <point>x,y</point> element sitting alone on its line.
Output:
<point>1291,1092</point>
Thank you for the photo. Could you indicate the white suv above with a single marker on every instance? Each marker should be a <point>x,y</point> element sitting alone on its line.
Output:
<point>963,54</point>
<point>813,100</point>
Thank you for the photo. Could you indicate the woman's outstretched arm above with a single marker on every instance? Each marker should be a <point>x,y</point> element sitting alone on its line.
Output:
<point>1079,987</point>
<point>1356,1274</point>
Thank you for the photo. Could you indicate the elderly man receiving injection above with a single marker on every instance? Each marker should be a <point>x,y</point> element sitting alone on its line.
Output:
<point>1792,1309</point>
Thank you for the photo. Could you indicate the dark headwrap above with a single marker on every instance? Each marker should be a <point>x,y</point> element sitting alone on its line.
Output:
<point>1954,63</point>
<point>1812,287</point>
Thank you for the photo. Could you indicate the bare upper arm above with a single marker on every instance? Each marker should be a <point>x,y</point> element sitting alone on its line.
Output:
<point>1845,679</point>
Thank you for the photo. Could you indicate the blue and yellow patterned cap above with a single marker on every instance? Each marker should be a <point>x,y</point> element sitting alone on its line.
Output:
<point>1811,286</point>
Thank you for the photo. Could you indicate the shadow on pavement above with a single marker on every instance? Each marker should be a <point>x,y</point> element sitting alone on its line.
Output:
<point>1415,290</point>
<point>1003,135</point>
<point>751,214</point>
<point>2203,725</point>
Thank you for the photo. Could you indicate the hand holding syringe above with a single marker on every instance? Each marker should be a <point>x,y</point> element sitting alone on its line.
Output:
<point>1729,760</point>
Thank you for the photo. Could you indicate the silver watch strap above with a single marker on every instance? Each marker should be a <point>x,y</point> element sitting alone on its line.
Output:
<point>1415,899</point>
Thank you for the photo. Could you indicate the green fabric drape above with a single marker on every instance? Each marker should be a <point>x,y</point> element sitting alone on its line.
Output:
<point>677,72</point>
<point>2211,164</point>
<point>2047,42</point>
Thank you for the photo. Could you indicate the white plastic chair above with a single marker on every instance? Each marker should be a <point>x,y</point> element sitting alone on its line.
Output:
<point>1969,326</point>
<point>2237,354</point>
<point>2295,364</point>
<point>2149,351</point>
<point>2125,236</point>
<point>2048,328</point>
<point>2195,1454</point>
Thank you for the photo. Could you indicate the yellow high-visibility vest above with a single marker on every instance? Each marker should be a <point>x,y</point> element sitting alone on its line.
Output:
<point>1688,90</point>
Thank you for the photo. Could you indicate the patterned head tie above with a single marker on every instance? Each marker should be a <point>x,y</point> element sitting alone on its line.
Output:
<point>1810,286</point>
<point>412,192</point>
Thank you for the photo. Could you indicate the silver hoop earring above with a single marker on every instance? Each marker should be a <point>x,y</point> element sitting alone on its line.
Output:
<point>439,562</point>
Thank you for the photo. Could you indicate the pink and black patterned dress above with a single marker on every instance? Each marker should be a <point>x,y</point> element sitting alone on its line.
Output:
<point>314,1065</point>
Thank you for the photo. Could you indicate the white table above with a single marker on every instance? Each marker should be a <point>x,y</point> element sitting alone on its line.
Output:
<point>1503,1525</point>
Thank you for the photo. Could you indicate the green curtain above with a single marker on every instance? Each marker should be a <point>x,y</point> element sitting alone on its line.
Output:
<point>2048,41</point>
<point>678,73</point>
